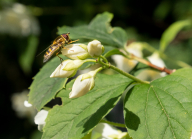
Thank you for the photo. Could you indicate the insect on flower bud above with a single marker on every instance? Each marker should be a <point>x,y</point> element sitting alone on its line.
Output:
<point>75,51</point>
<point>95,48</point>
<point>83,84</point>
<point>67,69</point>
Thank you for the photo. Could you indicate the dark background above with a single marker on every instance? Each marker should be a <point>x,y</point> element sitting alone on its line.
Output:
<point>143,21</point>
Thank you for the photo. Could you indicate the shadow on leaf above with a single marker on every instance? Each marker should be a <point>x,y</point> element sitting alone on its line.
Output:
<point>132,121</point>
<point>92,120</point>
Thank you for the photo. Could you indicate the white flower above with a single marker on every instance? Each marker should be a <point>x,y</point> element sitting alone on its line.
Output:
<point>95,48</point>
<point>156,60</point>
<point>149,74</point>
<point>135,48</point>
<point>21,106</point>
<point>40,119</point>
<point>106,131</point>
<point>18,21</point>
<point>126,64</point>
<point>67,69</point>
<point>75,51</point>
<point>83,84</point>
<point>27,104</point>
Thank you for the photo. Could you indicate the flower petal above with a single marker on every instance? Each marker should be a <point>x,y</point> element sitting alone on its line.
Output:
<point>124,63</point>
<point>27,104</point>
<point>75,51</point>
<point>60,73</point>
<point>40,117</point>
<point>156,60</point>
<point>135,48</point>
<point>105,130</point>
<point>80,87</point>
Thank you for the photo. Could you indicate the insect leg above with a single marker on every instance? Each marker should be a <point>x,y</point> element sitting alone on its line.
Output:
<point>67,48</point>
<point>61,59</point>
<point>73,41</point>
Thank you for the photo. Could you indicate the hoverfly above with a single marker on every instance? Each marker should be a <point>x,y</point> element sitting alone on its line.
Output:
<point>57,44</point>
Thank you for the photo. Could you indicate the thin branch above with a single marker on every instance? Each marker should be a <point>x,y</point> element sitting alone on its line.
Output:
<point>164,69</point>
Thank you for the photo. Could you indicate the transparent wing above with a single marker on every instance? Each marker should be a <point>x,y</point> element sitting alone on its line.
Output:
<point>44,50</point>
<point>50,53</point>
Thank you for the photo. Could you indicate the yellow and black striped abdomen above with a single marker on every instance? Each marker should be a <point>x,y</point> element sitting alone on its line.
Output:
<point>52,49</point>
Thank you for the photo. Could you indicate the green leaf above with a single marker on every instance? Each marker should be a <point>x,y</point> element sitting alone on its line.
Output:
<point>77,117</point>
<point>108,48</point>
<point>44,88</point>
<point>170,33</point>
<point>64,93</point>
<point>161,110</point>
<point>113,52</point>
<point>26,58</point>
<point>88,136</point>
<point>86,65</point>
<point>100,29</point>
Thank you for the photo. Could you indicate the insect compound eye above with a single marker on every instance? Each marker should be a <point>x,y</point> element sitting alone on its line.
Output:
<point>66,36</point>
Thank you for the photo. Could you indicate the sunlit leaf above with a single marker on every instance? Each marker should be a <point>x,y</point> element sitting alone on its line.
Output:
<point>44,88</point>
<point>99,28</point>
<point>162,109</point>
<point>76,117</point>
<point>113,52</point>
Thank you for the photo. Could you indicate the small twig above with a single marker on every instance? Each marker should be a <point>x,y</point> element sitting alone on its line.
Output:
<point>123,73</point>
<point>164,69</point>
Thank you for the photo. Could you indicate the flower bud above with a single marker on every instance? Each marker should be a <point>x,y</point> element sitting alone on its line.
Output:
<point>95,48</point>
<point>75,51</point>
<point>67,69</point>
<point>40,119</point>
<point>83,84</point>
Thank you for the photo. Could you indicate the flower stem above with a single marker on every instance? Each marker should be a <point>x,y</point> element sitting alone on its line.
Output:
<point>99,69</point>
<point>112,123</point>
<point>106,61</point>
<point>90,60</point>
<point>164,69</point>
<point>124,73</point>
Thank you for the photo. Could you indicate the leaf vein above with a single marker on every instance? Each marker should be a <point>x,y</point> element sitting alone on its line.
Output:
<point>146,112</point>
<point>164,111</point>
